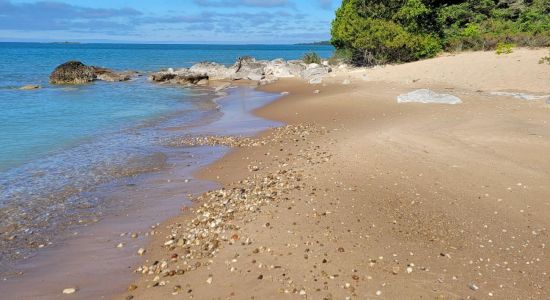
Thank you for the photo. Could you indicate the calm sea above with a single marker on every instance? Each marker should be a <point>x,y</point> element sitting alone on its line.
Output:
<point>60,141</point>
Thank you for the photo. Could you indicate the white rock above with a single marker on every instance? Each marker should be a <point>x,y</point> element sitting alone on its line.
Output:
<point>428,96</point>
<point>69,291</point>
<point>214,71</point>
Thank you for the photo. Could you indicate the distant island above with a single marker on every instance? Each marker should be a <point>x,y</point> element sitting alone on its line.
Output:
<point>65,43</point>
<point>321,43</point>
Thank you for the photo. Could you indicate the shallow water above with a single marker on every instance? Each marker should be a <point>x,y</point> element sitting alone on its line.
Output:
<point>60,143</point>
<point>87,257</point>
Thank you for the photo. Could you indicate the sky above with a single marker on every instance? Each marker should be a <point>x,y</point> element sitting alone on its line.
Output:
<point>167,21</point>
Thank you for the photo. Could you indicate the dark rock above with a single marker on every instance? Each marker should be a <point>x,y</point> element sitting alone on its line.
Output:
<point>75,72</point>
<point>72,72</point>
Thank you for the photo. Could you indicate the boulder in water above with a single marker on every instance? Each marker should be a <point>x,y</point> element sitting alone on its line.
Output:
<point>75,72</point>
<point>72,72</point>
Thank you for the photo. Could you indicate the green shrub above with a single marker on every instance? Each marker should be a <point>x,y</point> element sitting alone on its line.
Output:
<point>311,58</point>
<point>545,59</point>
<point>505,48</point>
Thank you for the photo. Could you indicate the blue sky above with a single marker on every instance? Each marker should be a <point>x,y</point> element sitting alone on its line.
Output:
<point>167,21</point>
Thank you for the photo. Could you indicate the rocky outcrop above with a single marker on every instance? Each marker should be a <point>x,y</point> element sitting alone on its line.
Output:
<point>75,72</point>
<point>180,76</point>
<point>246,68</point>
<point>72,72</point>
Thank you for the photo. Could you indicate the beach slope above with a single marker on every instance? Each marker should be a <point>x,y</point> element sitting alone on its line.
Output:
<point>362,197</point>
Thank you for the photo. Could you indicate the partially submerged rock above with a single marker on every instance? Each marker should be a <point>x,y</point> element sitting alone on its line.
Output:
<point>428,96</point>
<point>72,72</point>
<point>29,87</point>
<point>75,72</point>
<point>110,75</point>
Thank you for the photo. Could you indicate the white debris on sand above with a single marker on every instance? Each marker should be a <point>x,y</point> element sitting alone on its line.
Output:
<point>522,96</point>
<point>428,96</point>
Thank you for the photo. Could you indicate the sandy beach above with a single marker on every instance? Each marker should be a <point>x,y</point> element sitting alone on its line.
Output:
<point>360,197</point>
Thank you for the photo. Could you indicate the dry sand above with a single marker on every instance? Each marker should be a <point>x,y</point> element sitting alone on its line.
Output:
<point>373,199</point>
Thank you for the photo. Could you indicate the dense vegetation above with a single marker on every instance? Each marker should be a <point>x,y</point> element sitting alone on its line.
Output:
<point>368,32</point>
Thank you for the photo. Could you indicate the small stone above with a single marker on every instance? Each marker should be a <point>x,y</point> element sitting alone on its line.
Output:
<point>316,91</point>
<point>409,270</point>
<point>395,270</point>
<point>473,287</point>
<point>69,291</point>
<point>209,280</point>
<point>120,245</point>
<point>378,293</point>
<point>132,287</point>
<point>141,251</point>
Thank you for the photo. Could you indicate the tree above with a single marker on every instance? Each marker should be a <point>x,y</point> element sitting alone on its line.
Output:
<point>385,31</point>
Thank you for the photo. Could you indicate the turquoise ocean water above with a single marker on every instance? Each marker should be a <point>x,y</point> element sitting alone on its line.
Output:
<point>59,141</point>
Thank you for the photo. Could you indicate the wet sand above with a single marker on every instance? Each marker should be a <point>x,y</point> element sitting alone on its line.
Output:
<point>363,198</point>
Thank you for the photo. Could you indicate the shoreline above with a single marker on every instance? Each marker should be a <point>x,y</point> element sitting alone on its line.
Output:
<point>402,204</point>
<point>93,249</point>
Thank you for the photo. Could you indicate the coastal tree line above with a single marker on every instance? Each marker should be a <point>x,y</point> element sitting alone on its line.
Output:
<point>369,32</point>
